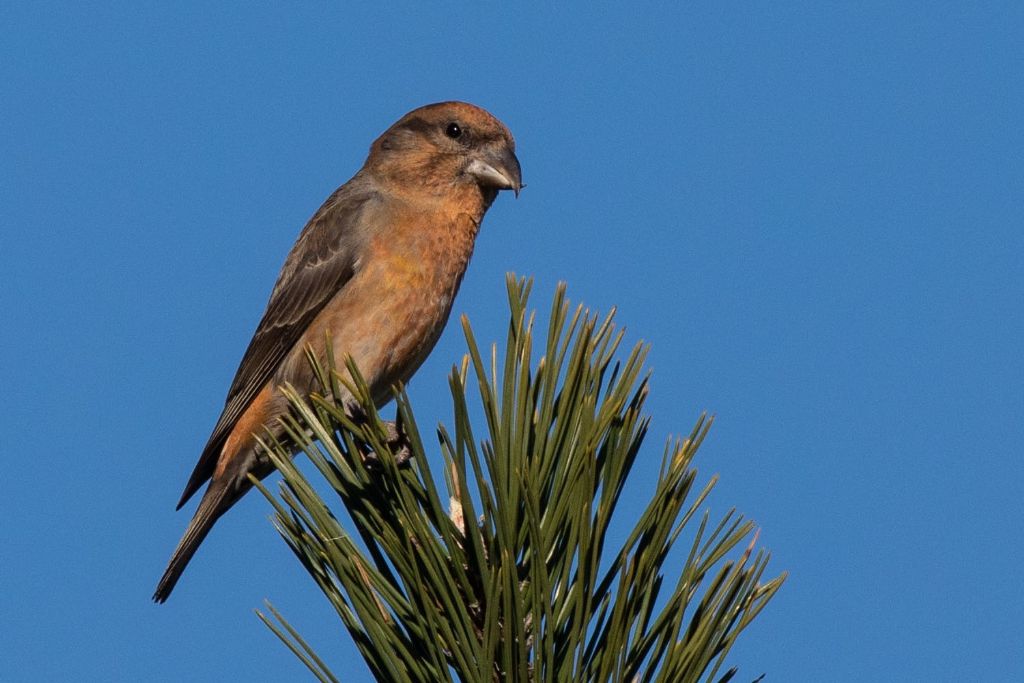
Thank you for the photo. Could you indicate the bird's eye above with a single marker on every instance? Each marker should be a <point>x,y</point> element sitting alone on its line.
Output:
<point>454,131</point>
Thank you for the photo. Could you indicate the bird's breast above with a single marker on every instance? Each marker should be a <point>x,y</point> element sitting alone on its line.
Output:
<point>389,316</point>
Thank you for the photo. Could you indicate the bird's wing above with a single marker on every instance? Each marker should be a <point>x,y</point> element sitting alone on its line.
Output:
<point>320,263</point>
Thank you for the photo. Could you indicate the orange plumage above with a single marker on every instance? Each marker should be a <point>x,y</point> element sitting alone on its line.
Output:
<point>375,271</point>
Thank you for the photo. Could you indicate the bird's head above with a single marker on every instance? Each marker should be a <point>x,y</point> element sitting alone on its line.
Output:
<point>446,146</point>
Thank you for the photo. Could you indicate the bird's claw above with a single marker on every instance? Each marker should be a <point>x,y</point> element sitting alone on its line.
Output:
<point>395,438</point>
<point>398,441</point>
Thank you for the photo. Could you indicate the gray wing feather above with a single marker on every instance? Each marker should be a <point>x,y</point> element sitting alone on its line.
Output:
<point>320,263</point>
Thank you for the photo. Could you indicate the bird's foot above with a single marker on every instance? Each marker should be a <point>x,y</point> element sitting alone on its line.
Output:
<point>395,438</point>
<point>398,441</point>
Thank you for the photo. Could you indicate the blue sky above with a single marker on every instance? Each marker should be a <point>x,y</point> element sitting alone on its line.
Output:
<point>812,211</point>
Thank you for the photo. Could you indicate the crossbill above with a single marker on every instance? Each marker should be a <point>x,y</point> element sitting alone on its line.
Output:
<point>375,272</point>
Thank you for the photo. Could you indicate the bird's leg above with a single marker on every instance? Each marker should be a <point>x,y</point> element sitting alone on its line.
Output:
<point>398,440</point>
<point>395,436</point>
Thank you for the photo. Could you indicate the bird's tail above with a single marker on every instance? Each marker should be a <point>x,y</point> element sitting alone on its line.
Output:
<point>218,497</point>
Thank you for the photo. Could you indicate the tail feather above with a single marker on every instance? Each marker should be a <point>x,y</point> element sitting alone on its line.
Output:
<point>215,501</point>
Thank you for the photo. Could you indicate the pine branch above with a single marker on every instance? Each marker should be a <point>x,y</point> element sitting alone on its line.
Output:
<point>507,574</point>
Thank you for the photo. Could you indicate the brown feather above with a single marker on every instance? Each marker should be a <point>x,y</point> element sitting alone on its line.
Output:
<point>375,270</point>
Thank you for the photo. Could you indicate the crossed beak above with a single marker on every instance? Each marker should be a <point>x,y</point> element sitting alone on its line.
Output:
<point>497,167</point>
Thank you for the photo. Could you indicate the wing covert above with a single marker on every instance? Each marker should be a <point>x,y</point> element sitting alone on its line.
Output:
<point>321,262</point>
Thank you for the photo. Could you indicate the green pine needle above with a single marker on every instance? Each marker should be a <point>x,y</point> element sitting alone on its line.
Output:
<point>506,575</point>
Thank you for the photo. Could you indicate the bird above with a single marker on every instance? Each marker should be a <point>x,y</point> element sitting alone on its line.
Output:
<point>373,273</point>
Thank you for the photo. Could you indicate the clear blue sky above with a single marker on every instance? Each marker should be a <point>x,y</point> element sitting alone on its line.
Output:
<point>813,211</point>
